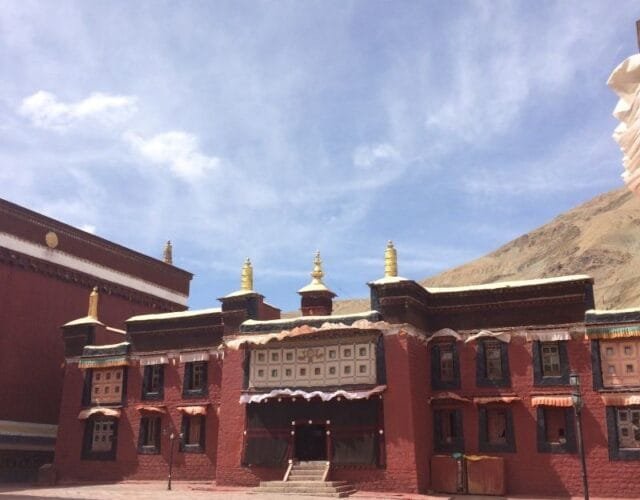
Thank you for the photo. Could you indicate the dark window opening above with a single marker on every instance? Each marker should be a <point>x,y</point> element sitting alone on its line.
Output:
<point>149,438</point>
<point>447,430</point>
<point>492,364</point>
<point>550,363</point>
<point>195,378</point>
<point>193,434</point>
<point>445,371</point>
<point>153,382</point>
<point>496,430</point>
<point>556,430</point>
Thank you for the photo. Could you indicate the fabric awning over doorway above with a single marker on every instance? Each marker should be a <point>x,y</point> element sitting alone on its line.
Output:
<point>563,401</point>
<point>324,396</point>
<point>107,412</point>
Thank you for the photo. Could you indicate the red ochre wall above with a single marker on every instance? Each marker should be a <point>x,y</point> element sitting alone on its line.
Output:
<point>529,472</point>
<point>406,420</point>
<point>33,306</point>
<point>128,463</point>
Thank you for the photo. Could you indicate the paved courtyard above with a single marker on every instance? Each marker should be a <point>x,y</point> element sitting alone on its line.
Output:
<point>157,490</point>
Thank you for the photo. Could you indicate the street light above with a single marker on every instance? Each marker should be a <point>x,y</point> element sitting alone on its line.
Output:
<point>172,438</point>
<point>576,398</point>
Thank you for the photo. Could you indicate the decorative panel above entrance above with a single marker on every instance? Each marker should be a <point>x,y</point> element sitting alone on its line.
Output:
<point>316,364</point>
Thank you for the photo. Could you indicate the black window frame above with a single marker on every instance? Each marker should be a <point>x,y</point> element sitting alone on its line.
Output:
<point>539,379</point>
<point>482,380</point>
<point>570,445</point>
<point>146,449</point>
<point>87,441</point>
<point>147,394</point>
<point>615,452</point>
<point>87,388</point>
<point>436,380</point>
<point>187,387</point>
<point>457,444</point>
<point>483,431</point>
<point>190,447</point>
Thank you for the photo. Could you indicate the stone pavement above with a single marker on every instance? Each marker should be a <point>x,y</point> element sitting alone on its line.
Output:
<point>157,490</point>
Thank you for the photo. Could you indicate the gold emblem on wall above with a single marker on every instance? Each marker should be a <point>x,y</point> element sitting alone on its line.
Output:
<point>51,239</point>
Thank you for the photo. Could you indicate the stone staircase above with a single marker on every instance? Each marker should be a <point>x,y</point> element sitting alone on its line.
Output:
<point>307,478</point>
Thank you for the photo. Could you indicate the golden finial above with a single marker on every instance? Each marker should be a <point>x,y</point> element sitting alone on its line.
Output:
<point>93,303</point>
<point>317,273</point>
<point>246,278</point>
<point>167,255</point>
<point>390,261</point>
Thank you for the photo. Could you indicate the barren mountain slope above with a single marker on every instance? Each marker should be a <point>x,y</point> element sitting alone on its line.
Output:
<point>600,238</point>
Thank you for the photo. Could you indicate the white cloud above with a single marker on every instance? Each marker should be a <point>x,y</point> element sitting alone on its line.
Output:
<point>46,111</point>
<point>180,151</point>
<point>369,155</point>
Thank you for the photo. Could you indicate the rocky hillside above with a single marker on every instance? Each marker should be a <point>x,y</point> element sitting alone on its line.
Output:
<point>600,238</point>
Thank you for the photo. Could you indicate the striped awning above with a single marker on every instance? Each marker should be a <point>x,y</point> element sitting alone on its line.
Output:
<point>152,408</point>
<point>483,334</point>
<point>190,357</point>
<point>563,401</point>
<point>105,362</point>
<point>193,410</point>
<point>154,360</point>
<point>621,399</point>
<point>484,400</point>
<point>444,396</point>
<point>107,412</point>
<point>613,332</point>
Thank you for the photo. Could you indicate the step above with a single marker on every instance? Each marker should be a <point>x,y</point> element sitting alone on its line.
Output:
<point>339,492</point>
<point>305,483</point>
<point>298,474</point>
<point>309,467</point>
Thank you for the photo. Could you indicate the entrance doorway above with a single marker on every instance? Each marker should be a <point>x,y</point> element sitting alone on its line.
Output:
<point>310,442</point>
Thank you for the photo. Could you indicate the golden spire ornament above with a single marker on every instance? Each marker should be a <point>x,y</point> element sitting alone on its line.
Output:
<point>317,274</point>
<point>167,255</point>
<point>93,303</point>
<point>390,261</point>
<point>246,278</point>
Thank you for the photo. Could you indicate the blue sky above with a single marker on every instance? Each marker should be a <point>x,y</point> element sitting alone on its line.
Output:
<point>272,129</point>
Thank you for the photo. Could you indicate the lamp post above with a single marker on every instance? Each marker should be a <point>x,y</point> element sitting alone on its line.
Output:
<point>576,397</point>
<point>172,439</point>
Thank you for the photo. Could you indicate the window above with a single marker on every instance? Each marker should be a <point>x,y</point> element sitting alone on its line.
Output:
<point>106,385</point>
<point>445,373</point>
<point>556,430</point>
<point>193,433</point>
<point>623,426</point>
<point>149,438</point>
<point>496,430</point>
<point>550,363</point>
<point>153,382</point>
<point>195,379</point>
<point>620,363</point>
<point>447,431</point>
<point>492,364</point>
<point>100,439</point>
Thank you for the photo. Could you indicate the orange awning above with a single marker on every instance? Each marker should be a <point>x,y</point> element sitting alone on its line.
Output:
<point>558,401</point>
<point>448,395</point>
<point>495,399</point>
<point>620,399</point>
<point>151,408</point>
<point>107,412</point>
<point>193,410</point>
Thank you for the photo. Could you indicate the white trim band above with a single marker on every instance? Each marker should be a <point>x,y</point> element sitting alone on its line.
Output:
<point>99,271</point>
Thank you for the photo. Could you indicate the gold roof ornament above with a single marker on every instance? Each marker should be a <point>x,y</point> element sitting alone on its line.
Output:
<point>93,303</point>
<point>246,278</point>
<point>390,261</point>
<point>317,274</point>
<point>167,255</point>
